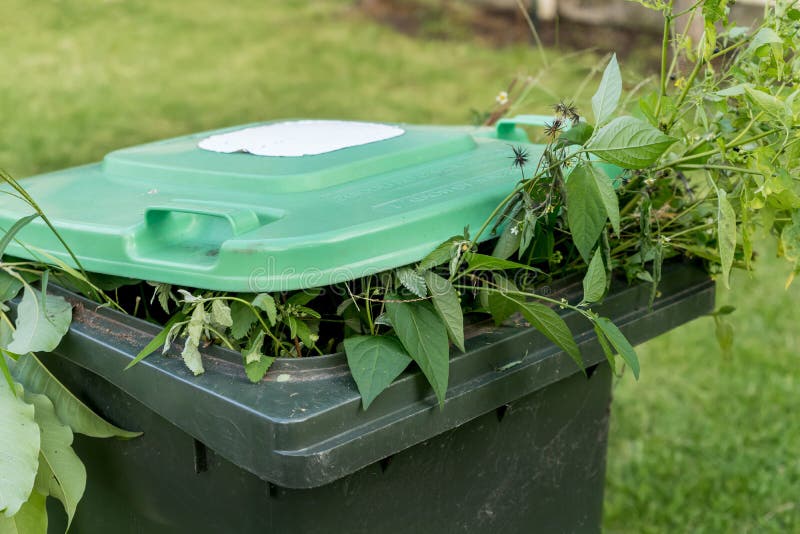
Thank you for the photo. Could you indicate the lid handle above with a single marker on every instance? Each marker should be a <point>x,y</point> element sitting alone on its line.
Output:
<point>506,127</point>
<point>239,220</point>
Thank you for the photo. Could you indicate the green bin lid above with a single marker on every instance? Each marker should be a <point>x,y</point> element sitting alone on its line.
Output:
<point>273,206</point>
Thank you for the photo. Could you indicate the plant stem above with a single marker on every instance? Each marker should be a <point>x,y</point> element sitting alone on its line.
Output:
<point>664,52</point>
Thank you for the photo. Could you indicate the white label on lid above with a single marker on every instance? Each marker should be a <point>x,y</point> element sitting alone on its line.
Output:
<point>300,138</point>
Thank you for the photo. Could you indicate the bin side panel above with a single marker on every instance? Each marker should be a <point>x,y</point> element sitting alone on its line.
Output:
<point>535,465</point>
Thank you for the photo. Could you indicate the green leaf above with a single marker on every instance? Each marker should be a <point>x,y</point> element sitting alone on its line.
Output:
<point>482,262</point>
<point>606,99</point>
<point>578,134</point>
<point>40,330</point>
<point>221,313</point>
<point>620,343</point>
<point>159,340</point>
<point>508,242</point>
<point>242,317</point>
<point>771,104</point>
<point>726,229</point>
<point>594,283</point>
<point>424,336</point>
<point>9,286</point>
<point>256,364</point>
<point>11,232</point>
<point>765,35</point>
<point>445,300</point>
<point>30,519</point>
<point>304,296</point>
<point>549,323</point>
<point>191,349</point>
<point>60,468</point>
<point>255,371</point>
<point>162,293</point>
<point>724,334</point>
<point>586,209</point>
<point>630,143</point>
<point>500,306</point>
<point>441,254</point>
<point>528,231</point>
<point>36,378</point>
<point>603,341</point>
<point>303,331</point>
<point>19,449</point>
<point>265,302</point>
<point>413,281</point>
<point>714,10</point>
<point>374,361</point>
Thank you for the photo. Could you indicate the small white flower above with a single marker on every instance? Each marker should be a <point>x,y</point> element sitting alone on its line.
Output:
<point>514,229</point>
<point>188,297</point>
<point>502,98</point>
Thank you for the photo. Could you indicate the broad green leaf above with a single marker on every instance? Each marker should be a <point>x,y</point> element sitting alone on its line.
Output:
<point>159,340</point>
<point>726,229</point>
<point>549,323</point>
<point>594,283</point>
<point>191,349</point>
<point>586,209</point>
<point>19,449</point>
<point>578,134</point>
<point>771,104</point>
<point>620,343</point>
<point>528,231</point>
<point>607,195</point>
<point>59,466</point>
<point>304,296</point>
<point>36,378</point>
<point>733,90</point>
<point>9,286</point>
<point>255,371</point>
<point>30,519</point>
<point>765,35</point>
<point>441,254</point>
<point>252,353</point>
<point>424,336</point>
<point>413,281</point>
<point>243,318</point>
<point>606,99</point>
<point>445,300</point>
<point>500,306</point>
<point>40,329</point>
<point>303,331</point>
<point>264,301</point>
<point>508,242</point>
<point>256,364</point>
<point>221,313</point>
<point>629,143</point>
<point>12,232</point>
<point>375,361</point>
<point>482,262</point>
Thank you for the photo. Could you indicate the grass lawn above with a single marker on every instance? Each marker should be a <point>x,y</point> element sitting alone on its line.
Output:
<point>699,444</point>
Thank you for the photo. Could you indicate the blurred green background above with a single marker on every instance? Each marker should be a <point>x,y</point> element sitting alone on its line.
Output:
<point>700,443</point>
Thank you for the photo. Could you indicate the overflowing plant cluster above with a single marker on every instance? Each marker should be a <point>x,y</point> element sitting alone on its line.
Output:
<point>707,164</point>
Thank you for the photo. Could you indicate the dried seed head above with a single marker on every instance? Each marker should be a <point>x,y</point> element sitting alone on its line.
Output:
<point>554,128</point>
<point>520,156</point>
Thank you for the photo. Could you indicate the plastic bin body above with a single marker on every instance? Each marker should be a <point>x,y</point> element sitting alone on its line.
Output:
<point>535,465</point>
<point>518,447</point>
